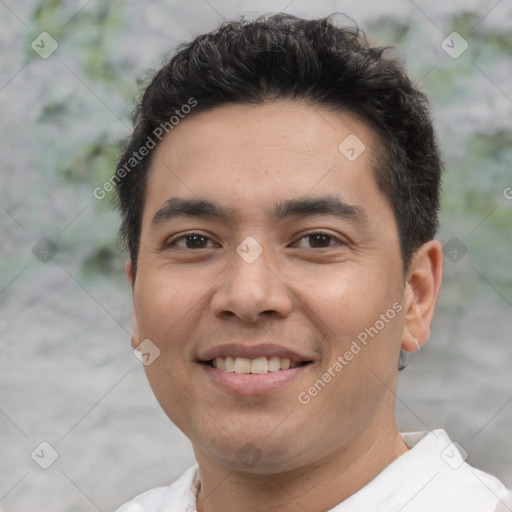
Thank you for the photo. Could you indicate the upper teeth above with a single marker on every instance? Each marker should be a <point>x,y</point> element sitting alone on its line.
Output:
<point>258,365</point>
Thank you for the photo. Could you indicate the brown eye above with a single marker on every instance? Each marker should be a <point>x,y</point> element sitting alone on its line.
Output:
<point>319,241</point>
<point>195,241</point>
<point>190,241</point>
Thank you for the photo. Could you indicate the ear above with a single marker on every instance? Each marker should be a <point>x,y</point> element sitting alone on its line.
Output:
<point>128,271</point>
<point>135,324</point>
<point>421,291</point>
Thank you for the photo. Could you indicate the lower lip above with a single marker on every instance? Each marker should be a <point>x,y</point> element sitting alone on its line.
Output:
<point>252,384</point>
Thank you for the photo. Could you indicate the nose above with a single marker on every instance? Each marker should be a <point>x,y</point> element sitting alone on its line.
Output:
<point>251,290</point>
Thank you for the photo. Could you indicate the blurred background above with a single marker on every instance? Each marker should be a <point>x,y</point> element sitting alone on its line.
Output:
<point>69,75</point>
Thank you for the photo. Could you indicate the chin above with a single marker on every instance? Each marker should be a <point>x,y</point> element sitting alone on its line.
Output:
<point>260,455</point>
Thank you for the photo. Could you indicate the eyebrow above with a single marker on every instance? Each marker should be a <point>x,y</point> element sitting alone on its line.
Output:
<point>304,207</point>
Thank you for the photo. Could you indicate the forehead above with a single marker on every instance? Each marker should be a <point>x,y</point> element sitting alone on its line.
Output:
<point>251,156</point>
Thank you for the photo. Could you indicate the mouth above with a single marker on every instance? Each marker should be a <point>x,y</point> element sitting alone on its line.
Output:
<point>248,370</point>
<point>257,366</point>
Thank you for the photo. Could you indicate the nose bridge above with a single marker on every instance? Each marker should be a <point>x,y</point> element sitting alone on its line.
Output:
<point>250,287</point>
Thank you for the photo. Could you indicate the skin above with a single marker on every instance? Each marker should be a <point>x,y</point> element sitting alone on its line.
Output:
<point>314,299</point>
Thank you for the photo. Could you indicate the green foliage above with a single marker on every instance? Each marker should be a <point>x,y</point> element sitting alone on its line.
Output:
<point>387,32</point>
<point>470,26</point>
<point>94,164</point>
<point>106,259</point>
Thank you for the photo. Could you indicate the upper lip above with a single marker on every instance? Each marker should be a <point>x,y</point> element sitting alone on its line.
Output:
<point>252,352</point>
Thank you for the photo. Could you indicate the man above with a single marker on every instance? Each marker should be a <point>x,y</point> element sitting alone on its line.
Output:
<point>279,198</point>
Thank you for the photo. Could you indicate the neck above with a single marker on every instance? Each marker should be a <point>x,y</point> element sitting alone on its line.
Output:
<point>317,486</point>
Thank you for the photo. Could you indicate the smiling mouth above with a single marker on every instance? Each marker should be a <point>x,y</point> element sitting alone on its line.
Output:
<point>257,366</point>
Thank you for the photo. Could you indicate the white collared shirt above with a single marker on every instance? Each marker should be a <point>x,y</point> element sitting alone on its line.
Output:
<point>431,477</point>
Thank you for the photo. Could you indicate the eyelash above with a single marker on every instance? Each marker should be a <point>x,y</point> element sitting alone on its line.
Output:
<point>172,243</point>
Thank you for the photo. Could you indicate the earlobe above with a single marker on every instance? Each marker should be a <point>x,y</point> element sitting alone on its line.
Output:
<point>422,288</point>
<point>128,271</point>
<point>135,323</point>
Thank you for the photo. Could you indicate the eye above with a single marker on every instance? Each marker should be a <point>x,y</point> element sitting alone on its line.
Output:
<point>189,241</point>
<point>318,241</point>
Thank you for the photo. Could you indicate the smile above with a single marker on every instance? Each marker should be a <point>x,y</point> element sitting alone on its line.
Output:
<point>246,369</point>
<point>258,365</point>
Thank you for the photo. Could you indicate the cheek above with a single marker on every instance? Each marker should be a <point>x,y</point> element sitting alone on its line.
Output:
<point>164,301</point>
<point>360,315</point>
<point>166,310</point>
<point>364,319</point>
<point>349,300</point>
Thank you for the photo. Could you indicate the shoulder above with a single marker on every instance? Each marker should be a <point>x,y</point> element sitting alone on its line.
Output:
<point>433,476</point>
<point>446,481</point>
<point>180,495</point>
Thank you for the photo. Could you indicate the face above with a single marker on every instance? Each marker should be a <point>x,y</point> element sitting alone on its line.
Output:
<point>267,249</point>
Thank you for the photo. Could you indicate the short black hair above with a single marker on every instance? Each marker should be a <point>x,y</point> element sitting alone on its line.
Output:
<point>278,57</point>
